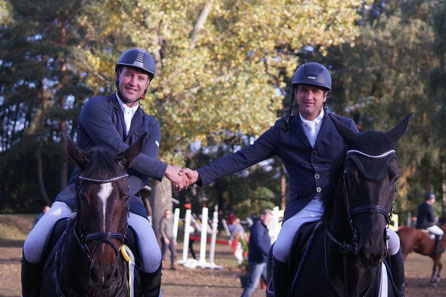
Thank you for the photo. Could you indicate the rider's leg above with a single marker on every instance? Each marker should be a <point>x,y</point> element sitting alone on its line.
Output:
<point>281,250</point>
<point>35,244</point>
<point>150,254</point>
<point>438,234</point>
<point>396,261</point>
<point>256,271</point>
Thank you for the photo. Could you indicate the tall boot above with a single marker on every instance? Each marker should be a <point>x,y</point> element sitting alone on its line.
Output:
<point>281,278</point>
<point>151,283</point>
<point>437,247</point>
<point>31,278</point>
<point>397,269</point>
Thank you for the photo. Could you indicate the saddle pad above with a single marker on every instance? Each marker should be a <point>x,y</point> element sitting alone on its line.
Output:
<point>301,240</point>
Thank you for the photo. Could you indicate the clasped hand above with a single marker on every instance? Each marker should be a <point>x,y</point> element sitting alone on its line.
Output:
<point>181,178</point>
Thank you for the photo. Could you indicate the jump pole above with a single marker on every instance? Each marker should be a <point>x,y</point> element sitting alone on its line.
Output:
<point>186,236</point>
<point>176,220</point>
<point>211,263</point>
<point>204,229</point>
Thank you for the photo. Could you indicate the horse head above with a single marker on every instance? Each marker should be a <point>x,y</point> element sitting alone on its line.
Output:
<point>369,186</point>
<point>103,205</point>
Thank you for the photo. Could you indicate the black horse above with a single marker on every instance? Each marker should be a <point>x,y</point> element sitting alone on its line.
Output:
<point>88,260</point>
<point>345,254</point>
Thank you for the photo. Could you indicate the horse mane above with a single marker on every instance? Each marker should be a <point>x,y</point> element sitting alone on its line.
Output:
<point>102,163</point>
<point>336,171</point>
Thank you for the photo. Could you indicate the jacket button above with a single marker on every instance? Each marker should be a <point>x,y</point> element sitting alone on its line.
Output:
<point>316,176</point>
<point>318,189</point>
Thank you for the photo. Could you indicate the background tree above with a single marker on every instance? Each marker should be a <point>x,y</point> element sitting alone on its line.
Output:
<point>221,65</point>
<point>394,69</point>
<point>38,93</point>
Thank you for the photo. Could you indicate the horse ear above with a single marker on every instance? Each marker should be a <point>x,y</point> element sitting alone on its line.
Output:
<point>348,134</point>
<point>132,151</point>
<point>395,134</point>
<point>75,153</point>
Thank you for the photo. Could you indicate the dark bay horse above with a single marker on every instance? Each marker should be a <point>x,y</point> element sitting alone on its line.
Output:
<point>416,240</point>
<point>88,261</point>
<point>345,254</point>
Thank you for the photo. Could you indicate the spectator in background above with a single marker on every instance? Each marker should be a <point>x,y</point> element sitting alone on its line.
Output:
<point>167,239</point>
<point>220,226</point>
<point>230,221</point>
<point>258,249</point>
<point>238,232</point>
<point>44,210</point>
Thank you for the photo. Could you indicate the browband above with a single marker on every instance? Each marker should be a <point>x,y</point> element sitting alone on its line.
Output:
<point>370,156</point>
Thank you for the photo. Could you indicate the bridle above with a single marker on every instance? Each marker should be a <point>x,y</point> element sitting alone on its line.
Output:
<point>354,246</point>
<point>100,237</point>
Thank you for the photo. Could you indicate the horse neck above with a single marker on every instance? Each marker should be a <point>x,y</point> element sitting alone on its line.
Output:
<point>345,267</point>
<point>338,220</point>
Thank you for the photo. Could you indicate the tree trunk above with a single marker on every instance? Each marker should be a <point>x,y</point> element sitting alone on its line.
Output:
<point>282,187</point>
<point>40,140</point>
<point>43,192</point>
<point>160,200</point>
<point>62,103</point>
<point>443,186</point>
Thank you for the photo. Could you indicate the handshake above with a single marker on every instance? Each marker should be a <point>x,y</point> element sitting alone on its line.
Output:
<point>181,178</point>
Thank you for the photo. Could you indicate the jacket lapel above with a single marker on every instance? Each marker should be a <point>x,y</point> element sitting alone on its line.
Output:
<point>326,128</point>
<point>114,101</point>
<point>298,129</point>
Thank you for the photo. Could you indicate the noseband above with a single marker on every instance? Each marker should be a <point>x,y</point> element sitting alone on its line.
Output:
<point>100,237</point>
<point>354,247</point>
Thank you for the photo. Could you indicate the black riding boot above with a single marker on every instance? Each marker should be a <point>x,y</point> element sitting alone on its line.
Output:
<point>281,278</point>
<point>397,269</point>
<point>31,278</point>
<point>151,283</point>
<point>437,247</point>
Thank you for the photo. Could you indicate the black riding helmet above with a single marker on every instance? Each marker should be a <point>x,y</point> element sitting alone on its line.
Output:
<point>311,73</point>
<point>137,58</point>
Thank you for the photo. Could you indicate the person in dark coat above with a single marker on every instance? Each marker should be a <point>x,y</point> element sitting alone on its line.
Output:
<point>258,249</point>
<point>426,220</point>
<point>306,143</point>
<point>115,121</point>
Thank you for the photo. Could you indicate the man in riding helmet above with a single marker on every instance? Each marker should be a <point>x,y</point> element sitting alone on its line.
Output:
<point>426,220</point>
<point>115,121</point>
<point>306,142</point>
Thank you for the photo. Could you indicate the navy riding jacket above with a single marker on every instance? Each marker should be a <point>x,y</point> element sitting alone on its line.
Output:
<point>101,122</point>
<point>259,243</point>
<point>308,168</point>
<point>425,216</point>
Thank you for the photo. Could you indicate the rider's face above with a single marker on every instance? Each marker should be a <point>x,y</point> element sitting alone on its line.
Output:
<point>266,218</point>
<point>132,84</point>
<point>310,99</point>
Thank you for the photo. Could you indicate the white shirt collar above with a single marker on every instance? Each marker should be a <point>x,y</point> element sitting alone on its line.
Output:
<point>317,121</point>
<point>125,108</point>
<point>128,112</point>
